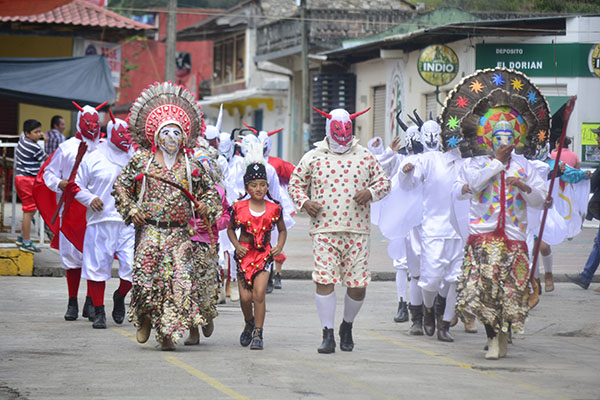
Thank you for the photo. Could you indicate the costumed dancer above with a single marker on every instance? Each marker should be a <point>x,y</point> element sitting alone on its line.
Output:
<point>390,160</point>
<point>343,177</point>
<point>284,171</point>
<point>160,190</point>
<point>206,244</point>
<point>501,185</point>
<point>441,246</point>
<point>106,236</point>
<point>256,218</point>
<point>56,174</point>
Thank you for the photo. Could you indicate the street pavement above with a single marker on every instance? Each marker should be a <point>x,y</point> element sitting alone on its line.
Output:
<point>42,356</point>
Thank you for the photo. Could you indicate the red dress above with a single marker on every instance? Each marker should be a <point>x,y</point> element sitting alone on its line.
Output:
<point>259,228</point>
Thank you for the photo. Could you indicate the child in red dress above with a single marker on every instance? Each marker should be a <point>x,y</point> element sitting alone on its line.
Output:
<point>255,217</point>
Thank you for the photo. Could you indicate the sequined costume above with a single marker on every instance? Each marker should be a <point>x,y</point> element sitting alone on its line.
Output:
<point>259,228</point>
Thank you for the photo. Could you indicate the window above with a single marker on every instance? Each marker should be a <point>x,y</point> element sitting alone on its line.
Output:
<point>229,60</point>
<point>378,111</point>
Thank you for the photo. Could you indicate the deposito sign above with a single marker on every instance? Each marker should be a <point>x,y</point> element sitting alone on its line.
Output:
<point>437,65</point>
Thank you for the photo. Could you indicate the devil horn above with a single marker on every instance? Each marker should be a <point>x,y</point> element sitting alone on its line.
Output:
<point>77,105</point>
<point>251,128</point>
<point>323,113</point>
<point>431,115</point>
<point>400,122</point>
<point>419,120</point>
<point>220,119</point>
<point>274,132</point>
<point>413,119</point>
<point>352,116</point>
<point>101,105</point>
<point>112,116</point>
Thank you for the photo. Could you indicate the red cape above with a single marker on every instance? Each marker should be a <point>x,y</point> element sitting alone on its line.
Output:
<point>74,224</point>
<point>283,168</point>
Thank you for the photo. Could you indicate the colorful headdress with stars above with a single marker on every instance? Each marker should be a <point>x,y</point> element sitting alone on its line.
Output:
<point>482,99</point>
<point>162,104</point>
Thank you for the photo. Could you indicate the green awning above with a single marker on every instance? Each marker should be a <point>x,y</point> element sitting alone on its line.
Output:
<point>556,102</point>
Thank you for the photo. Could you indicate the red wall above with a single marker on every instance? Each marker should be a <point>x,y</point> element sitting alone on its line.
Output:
<point>149,55</point>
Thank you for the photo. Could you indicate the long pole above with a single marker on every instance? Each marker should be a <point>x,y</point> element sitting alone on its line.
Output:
<point>171,40</point>
<point>305,74</point>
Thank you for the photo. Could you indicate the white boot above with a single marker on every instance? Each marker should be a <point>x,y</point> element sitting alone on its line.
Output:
<point>502,344</point>
<point>493,352</point>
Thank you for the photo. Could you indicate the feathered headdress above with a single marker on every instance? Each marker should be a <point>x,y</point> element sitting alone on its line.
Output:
<point>162,104</point>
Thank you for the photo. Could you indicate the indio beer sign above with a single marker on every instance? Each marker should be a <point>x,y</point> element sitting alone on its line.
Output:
<point>438,65</point>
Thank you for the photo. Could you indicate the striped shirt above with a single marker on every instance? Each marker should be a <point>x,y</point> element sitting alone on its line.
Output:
<point>29,157</point>
<point>53,139</point>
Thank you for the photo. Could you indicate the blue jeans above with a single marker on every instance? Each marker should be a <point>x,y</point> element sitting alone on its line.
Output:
<point>593,260</point>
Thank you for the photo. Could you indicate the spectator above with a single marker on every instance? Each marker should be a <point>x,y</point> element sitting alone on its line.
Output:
<point>566,155</point>
<point>29,157</point>
<point>585,277</point>
<point>55,136</point>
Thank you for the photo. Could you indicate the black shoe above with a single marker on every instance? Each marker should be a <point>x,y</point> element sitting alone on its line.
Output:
<point>99,318</point>
<point>443,333</point>
<point>416,317</point>
<point>246,336</point>
<point>346,343</point>
<point>576,279</point>
<point>257,339</point>
<point>328,345</point>
<point>88,309</point>
<point>270,285</point>
<point>72,309</point>
<point>428,320</point>
<point>118,313</point>
<point>402,314</point>
<point>277,281</point>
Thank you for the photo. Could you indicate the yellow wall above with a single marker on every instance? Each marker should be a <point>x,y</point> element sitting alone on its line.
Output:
<point>35,46</point>
<point>44,115</point>
<point>38,46</point>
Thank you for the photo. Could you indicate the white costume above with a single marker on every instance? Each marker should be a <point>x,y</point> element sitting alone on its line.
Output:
<point>106,235</point>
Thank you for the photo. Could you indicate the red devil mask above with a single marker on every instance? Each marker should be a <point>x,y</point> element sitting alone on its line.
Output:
<point>88,124</point>
<point>339,128</point>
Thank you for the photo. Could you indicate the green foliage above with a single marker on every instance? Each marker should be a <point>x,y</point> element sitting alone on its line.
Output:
<point>549,6</point>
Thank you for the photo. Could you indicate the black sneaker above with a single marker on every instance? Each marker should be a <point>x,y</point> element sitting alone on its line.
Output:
<point>576,279</point>
<point>118,313</point>
<point>270,286</point>
<point>277,281</point>
<point>246,336</point>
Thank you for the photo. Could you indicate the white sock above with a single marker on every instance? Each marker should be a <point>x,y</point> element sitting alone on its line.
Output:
<point>428,298</point>
<point>326,309</point>
<point>351,308</point>
<point>547,261</point>
<point>450,309</point>
<point>415,293</point>
<point>401,284</point>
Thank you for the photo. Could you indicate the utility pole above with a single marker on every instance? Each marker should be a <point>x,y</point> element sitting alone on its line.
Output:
<point>171,40</point>
<point>305,76</point>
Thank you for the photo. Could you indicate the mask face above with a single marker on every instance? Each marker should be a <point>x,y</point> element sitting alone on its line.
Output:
<point>430,131</point>
<point>89,126</point>
<point>501,138</point>
<point>341,131</point>
<point>120,138</point>
<point>170,139</point>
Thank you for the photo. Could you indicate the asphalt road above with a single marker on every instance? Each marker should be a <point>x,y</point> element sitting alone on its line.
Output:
<point>44,357</point>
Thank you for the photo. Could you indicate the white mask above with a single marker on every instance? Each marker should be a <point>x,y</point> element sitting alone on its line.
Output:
<point>170,140</point>
<point>430,135</point>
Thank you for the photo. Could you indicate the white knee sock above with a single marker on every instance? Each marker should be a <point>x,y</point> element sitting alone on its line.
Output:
<point>326,309</point>
<point>416,293</point>
<point>401,284</point>
<point>428,298</point>
<point>351,308</point>
<point>547,261</point>
<point>450,309</point>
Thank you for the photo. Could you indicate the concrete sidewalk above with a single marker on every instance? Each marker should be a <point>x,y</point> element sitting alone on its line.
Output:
<point>569,257</point>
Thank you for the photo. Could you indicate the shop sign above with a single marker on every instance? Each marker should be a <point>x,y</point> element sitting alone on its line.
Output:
<point>594,62</point>
<point>562,59</point>
<point>438,65</point>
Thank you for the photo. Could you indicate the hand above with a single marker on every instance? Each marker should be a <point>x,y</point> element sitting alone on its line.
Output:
<point>408,167</point>
<point>201,208</point>
<point>588,174</point>
<point>466,189</point>
<point>241,251</point>
<point>549,202</point>
<point>377,142</point>
<point>395,145</point>
<point>503,153</point>
<point>97,204</point>
<point>362,197</point>
<point>562,167</point>
<point>516,182</point>
<point>201,225</point>
<point>275,251</point>
<point>312,208</point>
<point>138,219</point>
<point>63,184</point>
